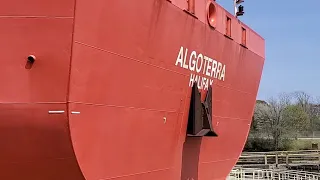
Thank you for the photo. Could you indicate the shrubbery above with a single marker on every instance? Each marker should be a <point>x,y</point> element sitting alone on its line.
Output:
<point>265,145</point>
<point>279,122</point>
<point>258,144</point>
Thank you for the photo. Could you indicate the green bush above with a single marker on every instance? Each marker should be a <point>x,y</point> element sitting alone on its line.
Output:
<point>258,144</point>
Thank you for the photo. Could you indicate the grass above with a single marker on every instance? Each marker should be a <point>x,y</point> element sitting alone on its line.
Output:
<point>302,144</point>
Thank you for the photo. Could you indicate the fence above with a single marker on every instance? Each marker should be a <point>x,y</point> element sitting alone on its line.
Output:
<point>289,158</point>
<point>271,174</point>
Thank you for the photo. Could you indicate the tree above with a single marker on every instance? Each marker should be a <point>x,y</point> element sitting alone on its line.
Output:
<point>256,124</point>
<point>270,116</point>
<point>304,100</point>
<point>311,107</point>
<point>297,120</point>
<point>315,114</point>
<point>281,119</point>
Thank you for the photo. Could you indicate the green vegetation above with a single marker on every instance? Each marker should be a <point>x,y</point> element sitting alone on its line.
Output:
<point>280,123</point>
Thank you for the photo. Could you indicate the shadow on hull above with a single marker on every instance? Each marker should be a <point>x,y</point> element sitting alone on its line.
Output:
<point>190,158</point>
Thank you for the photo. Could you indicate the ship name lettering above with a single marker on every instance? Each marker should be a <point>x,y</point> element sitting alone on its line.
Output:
<point>202,82</point>
<point>202,67</point>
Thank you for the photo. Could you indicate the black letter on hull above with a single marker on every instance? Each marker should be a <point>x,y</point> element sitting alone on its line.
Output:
<point>200,114</point>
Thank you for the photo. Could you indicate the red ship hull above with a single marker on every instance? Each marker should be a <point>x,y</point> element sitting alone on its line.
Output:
<point>108,95</point>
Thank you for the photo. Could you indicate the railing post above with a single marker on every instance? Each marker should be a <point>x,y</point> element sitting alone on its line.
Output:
<point>276,159</point>
<point>287,159</point>
<point>253,174</point>
<point>265,159</point>
<point>318,157</point>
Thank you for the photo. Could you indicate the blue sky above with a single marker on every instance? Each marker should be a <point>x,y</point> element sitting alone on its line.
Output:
<point>292,33</point>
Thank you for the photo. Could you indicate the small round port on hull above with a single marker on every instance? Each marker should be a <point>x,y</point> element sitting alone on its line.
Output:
<point>30,60</point>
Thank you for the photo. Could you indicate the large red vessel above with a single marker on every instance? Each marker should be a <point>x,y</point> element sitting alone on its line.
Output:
<point>109,89</point>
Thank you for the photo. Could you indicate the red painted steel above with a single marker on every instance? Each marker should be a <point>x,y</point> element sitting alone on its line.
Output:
<point>123,115</point>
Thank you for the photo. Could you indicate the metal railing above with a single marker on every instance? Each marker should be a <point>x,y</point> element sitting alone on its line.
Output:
<point>271,174</point>
<point>311,157</point>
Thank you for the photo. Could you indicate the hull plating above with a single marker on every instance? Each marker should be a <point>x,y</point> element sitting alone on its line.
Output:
<point>123,114</point>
